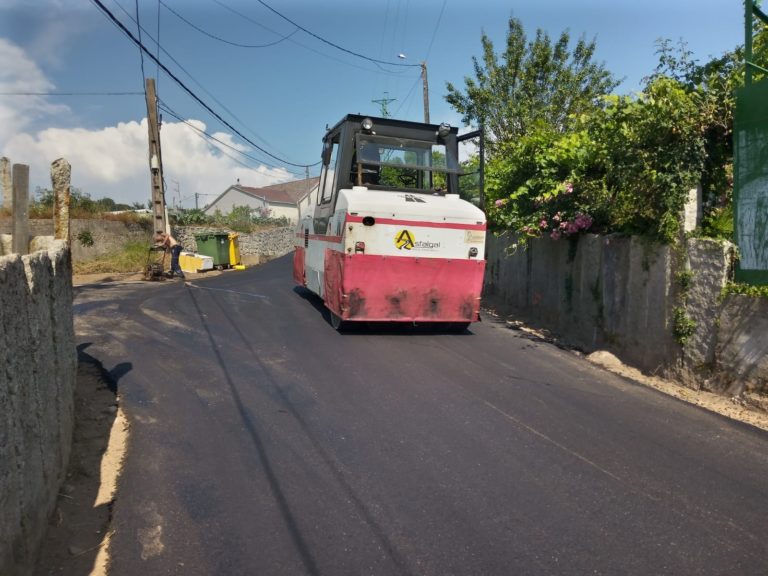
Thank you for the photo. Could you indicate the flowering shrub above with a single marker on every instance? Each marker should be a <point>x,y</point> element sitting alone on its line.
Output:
<point>550,193</point>
<point>626,167</point>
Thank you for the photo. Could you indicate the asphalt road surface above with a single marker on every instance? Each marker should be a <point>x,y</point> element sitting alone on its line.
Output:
<point>265,443</point>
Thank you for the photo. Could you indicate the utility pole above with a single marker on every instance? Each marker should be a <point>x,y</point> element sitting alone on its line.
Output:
<point>383,103</point>
<point>426,91</point>
<point>177,202</point>
<point>160,223</point>
<point>197,195</point>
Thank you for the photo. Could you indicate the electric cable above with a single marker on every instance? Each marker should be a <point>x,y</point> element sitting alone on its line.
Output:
<point>434,32</point>
<point>294,41</point>
<point>199,85</point>
<point>407,96</point>
<point>429,51</point>
<point>184,87</point>
<point>328,42</point>
<point>164,107</point>
<point>157,43</point>
<point>71,93</point>
<point>141,54</point>
<point>224,40</point>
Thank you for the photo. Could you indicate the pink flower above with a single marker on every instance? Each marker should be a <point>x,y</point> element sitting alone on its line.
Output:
<point>499,203</point>
<point>571,228</point>
<point>555,235</point>
<point>543,224</point>
<point>583,221</point>
<point>556,217</point>
<point>568,188</point>
<point>563,225</point>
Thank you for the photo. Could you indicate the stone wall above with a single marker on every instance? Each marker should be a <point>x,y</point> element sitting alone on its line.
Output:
<point>107,235</point>
<point>255,247</point>
<point>111,235</point>
<point>741,347</point>
<point>620,294</point>
<point>37,352</point>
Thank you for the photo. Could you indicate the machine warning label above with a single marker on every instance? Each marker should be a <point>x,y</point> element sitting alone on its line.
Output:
<point>474,236</point>
<point>405,240</point>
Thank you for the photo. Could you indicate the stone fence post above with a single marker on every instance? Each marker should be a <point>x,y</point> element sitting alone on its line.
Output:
<point>61,172</point>
<point>20,242</point>
<point>6,183</point>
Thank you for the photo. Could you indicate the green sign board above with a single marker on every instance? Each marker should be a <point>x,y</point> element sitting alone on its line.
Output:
<point>750,175</point>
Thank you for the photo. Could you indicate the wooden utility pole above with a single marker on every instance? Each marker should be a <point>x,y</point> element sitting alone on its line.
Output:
<point>155,161</point>
<point>426,91</point>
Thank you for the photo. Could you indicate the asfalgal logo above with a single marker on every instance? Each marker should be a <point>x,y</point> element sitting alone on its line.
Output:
<point>405,240</point>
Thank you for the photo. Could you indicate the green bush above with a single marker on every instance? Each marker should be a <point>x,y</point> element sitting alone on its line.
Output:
<point>626,167</point>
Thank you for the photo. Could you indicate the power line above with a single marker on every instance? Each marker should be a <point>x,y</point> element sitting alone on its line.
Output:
<point>434,32</point>
<point>205,136</point>
<point>71,93</point>
<point>357,54</point>
<point>157,43</point>
<point>199,85</point>
<point>141,54</point>
<point>165,108</point>
<point>184,87</point>
<point>224,40</point>
<point>293,41</point>
<point>407,96</point>
<point>429,50</point>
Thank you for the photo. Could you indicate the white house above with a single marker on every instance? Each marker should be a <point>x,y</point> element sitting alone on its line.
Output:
<point>287,199</point>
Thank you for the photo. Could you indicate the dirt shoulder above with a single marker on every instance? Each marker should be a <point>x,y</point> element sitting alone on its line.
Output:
<point>78,533</point>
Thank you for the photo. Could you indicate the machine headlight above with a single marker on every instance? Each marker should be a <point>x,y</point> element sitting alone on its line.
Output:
<point>367,124</point>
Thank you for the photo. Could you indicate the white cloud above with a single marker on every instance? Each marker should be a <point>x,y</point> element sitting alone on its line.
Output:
<point>20,74</point>
<point>112,161</point>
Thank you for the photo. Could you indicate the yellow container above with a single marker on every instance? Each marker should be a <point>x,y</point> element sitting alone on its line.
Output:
<point>234,249</point>
<point>191,262</point>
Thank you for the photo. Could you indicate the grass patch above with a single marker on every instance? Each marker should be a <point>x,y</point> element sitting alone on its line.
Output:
<point>132,258</point>
<point>744,290</point>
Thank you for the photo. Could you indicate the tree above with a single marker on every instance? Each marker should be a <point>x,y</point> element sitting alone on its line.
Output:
<point>712,85</point>
<point>531,84</point>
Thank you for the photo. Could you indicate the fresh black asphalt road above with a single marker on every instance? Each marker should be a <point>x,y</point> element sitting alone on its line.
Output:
<point>262,442</point>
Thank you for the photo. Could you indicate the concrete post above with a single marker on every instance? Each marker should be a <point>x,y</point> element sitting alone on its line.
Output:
<point>61,172</point>
<point>20,242</point>
<point>693,210</point>
<point>6,183</point>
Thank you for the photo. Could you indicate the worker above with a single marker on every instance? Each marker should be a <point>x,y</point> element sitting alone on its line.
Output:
<point>171,244</point>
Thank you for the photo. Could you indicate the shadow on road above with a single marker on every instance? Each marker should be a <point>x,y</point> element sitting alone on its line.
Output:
<point>383,328</point>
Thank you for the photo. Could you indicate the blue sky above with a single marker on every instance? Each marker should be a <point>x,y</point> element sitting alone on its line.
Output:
<point>280,96</point>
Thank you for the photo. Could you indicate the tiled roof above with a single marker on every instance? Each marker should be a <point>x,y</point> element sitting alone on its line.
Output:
<point>285,193</point>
